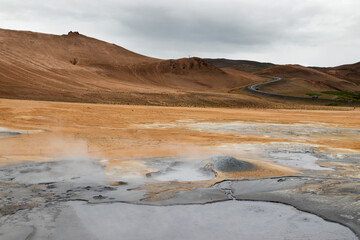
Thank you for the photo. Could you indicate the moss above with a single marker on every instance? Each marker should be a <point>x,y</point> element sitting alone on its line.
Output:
<point>344,95</point>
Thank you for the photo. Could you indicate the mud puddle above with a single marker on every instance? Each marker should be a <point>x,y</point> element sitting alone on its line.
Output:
<point>223,220</point>
<point>210,221</point>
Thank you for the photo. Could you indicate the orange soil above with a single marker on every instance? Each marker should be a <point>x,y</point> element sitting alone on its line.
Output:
<point>112,131</point>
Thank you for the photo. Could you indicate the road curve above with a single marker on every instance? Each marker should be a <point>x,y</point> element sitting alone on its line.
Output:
<point>255,88</point>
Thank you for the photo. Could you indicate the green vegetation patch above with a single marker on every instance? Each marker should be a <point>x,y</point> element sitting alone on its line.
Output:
<point>313,94</point>
<point>343,95</point>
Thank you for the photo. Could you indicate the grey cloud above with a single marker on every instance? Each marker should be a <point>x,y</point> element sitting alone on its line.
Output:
<point>207,28</point>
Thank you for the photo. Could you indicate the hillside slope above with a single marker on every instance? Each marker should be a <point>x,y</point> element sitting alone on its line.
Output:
<point>299,80</point>
<point>242,65</point>
<point>350,72</point>
<point>74,67</point>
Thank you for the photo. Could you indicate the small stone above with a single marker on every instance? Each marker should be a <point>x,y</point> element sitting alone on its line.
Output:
<point>99,197</point>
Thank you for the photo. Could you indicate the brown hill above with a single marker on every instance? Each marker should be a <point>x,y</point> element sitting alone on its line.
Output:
<point>75,67</point>
<point>350,72</point>
<point>31,63</point>
<point>247,78</point>
<point>299,80</point>
<point>242,65</point>
<point>191,74</point>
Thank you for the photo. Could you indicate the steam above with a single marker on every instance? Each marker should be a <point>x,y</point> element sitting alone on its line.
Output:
<point>69,159</point>
<point>67,148</point>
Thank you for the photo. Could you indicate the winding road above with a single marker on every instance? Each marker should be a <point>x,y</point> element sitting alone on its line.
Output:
<point>255,89</point>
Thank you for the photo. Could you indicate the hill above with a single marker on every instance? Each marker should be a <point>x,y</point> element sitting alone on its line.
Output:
<point>242,65</point>
<point>74,67</point>
<point>350,72</point>
<point>299,80</point>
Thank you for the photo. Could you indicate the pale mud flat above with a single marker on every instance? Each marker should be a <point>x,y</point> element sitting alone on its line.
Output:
<point>297,155</point>
<point>223,220</point>
<point>75,171</point>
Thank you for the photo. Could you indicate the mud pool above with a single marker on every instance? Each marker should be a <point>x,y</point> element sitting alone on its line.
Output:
<point>210,221</point>
<point>228,220</point>
<point>292,186</point>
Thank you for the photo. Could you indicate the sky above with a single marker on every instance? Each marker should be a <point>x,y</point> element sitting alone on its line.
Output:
<point>306,32</point>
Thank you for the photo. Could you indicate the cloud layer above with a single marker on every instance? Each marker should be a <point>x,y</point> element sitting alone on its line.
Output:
<point>309,32</point>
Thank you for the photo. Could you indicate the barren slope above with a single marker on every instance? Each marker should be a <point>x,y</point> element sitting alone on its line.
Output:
<point>36,65</point>
<point>349,72</point>
<point>242,65</point>
<point>300,80</point>
<point>74,67</point>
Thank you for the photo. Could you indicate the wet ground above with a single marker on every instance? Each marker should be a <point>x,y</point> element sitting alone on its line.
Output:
<point>291,186</point>
<point>211,221</point>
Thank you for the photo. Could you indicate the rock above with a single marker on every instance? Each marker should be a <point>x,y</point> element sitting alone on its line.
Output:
<point>118,183</point>
<point>99,197</point>
<point>230,164</point>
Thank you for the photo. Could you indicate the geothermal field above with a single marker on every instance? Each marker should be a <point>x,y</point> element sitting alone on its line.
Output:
<point>94,171</point>
<point>100,142</point>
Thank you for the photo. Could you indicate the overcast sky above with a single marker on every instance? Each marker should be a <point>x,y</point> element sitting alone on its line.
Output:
<point>307,32</point>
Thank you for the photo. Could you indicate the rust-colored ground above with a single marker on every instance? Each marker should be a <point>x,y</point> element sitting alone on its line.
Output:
<point>117,133</point>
